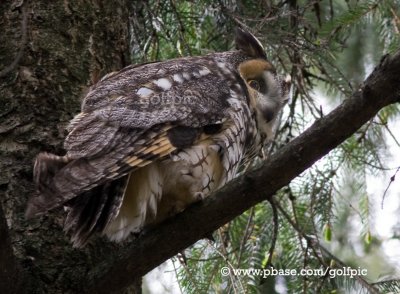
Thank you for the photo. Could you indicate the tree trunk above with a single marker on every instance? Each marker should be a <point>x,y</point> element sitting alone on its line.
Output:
<point>50,52</point>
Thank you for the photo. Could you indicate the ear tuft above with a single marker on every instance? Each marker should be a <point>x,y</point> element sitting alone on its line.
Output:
<point>249,44</point>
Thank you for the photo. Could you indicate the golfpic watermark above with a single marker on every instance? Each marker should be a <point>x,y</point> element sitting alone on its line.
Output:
<point>331,272</point>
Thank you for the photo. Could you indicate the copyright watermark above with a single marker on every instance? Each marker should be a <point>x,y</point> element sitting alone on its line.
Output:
<point>186,97</point>
<point>331,272</point>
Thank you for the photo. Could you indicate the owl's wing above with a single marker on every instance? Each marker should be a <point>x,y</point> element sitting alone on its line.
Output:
<point>109,140</point>
<point>140,97</point>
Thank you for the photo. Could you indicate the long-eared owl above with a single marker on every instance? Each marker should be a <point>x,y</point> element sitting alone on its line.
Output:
<point>153,138</point>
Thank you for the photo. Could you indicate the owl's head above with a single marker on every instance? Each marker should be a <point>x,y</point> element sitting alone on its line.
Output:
<point>268,91</point>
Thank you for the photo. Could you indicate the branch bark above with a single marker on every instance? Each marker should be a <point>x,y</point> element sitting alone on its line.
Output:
<point>153,247</point>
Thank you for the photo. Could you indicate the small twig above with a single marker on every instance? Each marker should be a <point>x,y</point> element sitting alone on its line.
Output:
<point>210,258</point>
<point>293,207</point>
<point>188,273</point>
<point>385,125</point>
<point>223,247</point>
<point>300,232</point>
<point>305,263</point>
<point>396,20</point>
<point>274,232</point>
<point>247,232</point>
<point>331,10</point>
<point>230,265</point>
<point>176,274</point>
<point>181,28</point>
<point>24,33</point>
<point>392,179</point>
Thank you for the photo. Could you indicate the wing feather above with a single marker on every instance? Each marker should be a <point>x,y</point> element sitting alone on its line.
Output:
<point>120,129</point>
<point>83,174</point>
<point>187,92</point>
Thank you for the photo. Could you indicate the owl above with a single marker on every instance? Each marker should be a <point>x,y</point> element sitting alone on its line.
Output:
<point>153,138</point>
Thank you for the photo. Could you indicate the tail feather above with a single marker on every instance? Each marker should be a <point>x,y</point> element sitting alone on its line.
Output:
<point>83,214</point>
<point>46,167</point>
<point>89,212</point>
<point>92,210</point>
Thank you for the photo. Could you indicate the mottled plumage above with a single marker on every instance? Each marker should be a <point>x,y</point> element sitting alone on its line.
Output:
<point>153,138</point>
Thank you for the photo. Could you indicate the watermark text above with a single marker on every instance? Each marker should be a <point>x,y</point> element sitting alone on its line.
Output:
<point>331,272</point>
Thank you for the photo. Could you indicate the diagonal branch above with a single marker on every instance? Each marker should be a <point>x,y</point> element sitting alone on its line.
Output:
<point>381,88</point>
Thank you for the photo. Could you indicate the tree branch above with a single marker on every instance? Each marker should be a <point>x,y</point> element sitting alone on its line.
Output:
<point>153,247</point>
